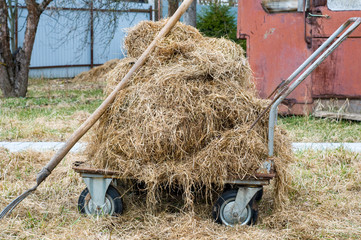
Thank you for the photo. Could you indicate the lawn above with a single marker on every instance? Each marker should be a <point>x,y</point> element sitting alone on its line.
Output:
<point>310,129</point>
<point>52,110</point>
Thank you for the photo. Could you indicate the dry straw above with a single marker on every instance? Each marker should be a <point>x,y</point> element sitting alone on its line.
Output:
<point>324,204</point>
<point>95,74</point>
<point>183,119</point>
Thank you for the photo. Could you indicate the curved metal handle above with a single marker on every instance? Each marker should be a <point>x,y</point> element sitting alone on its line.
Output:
<point>286,90</point>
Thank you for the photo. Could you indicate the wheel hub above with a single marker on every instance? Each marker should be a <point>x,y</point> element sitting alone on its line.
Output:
<point>91,208</point>
<point>229,217</point>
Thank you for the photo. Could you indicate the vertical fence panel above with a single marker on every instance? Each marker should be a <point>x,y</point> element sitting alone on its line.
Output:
<point>56,44</point>
<point>104,49</point>
<point>63,45</point>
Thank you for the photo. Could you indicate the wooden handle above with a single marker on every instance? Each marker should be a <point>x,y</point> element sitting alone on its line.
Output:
<point>74,138</point>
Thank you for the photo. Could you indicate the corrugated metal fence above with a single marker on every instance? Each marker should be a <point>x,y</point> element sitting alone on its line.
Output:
<point>72,40</point>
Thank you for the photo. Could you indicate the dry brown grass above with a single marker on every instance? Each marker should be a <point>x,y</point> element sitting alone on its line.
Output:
<point>184,117</point>
<point>324,204</point>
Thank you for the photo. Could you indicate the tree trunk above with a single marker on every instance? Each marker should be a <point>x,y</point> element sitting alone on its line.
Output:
<point>14,67</point>
<point>190,16</point>
<point>6,62</point>
<point>172,7</point>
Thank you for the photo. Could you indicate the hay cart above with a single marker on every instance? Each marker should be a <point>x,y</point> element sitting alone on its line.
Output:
<point>237,205</point>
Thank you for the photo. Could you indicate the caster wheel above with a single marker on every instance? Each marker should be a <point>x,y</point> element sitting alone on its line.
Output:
<point>259,195</point>
<point>222,210</point>
<point>113,203</point>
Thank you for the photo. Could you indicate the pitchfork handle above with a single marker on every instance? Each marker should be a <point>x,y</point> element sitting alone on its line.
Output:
<point>74,138</point>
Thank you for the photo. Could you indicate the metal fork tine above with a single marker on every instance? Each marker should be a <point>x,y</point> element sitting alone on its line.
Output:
<point>16,201</point>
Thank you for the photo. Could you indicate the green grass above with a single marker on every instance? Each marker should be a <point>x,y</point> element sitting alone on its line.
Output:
<point>310,129</point>
<point>31,108</point>
<point>52,110</point>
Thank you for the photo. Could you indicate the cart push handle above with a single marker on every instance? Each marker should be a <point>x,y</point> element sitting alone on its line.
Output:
<point>287,89</point>
<point>74,138</point>
<point>284,85</point>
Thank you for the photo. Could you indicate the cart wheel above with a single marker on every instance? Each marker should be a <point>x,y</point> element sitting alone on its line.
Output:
<point>222,210</point>
<point>259,195</point>
<point>113,203</point>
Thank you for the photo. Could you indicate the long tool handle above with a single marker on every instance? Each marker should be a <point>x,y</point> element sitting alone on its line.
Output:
<point>74,138</point>
<point>101,109</point>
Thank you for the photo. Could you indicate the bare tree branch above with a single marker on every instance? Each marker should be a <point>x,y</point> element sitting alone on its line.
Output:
<point>32,21</point>
<point>31,5</point>
<point>44,4</point>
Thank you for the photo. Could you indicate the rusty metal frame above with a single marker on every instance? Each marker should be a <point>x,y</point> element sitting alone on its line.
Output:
<point>287,89</point>
<point>84,168</point>
<point>64,66</point>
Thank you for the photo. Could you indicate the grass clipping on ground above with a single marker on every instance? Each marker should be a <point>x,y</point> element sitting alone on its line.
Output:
<point>183,119</point>
<point>96,74</point>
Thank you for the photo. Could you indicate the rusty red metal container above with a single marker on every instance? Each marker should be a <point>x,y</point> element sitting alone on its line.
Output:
<point>278,43</point>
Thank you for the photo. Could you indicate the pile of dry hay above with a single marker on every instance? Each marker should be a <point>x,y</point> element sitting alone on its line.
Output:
<point>96,74</point>
<point>184,117</point>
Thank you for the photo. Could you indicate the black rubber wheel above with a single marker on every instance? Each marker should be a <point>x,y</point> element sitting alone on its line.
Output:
<point>259,195</point>
<point>113,203</point>
<point>222,210</point>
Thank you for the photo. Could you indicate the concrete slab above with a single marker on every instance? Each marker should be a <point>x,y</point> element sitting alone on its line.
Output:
<point>353,147</point>
<point>40,146</point>
<point>80,147</point>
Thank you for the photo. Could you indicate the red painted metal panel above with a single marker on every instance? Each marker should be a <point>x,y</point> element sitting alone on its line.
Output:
<point>339,75</point>
<point>276,46</point>
<point>324,27</point>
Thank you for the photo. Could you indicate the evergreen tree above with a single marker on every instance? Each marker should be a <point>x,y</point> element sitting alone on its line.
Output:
<point>217,21</point>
